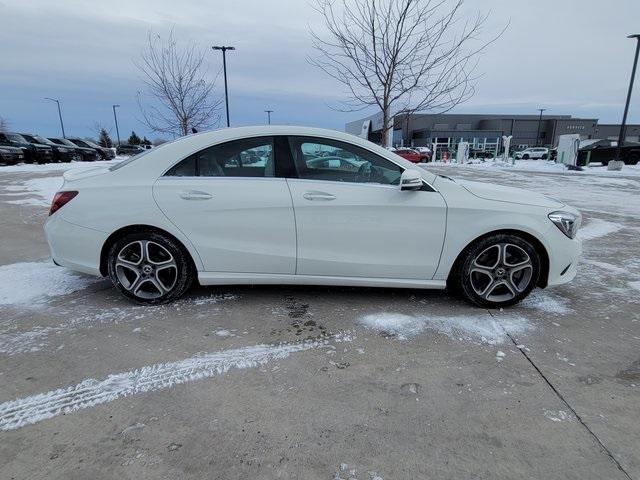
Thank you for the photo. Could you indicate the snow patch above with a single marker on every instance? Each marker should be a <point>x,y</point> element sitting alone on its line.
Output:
<point>90,392</point>
<point>597,228</point>
<point>29,283</point>
<point>635,285</point>
<point>37,192</point>
<point>546,302</point>
<point>484,328</point>
<point>557,416</point>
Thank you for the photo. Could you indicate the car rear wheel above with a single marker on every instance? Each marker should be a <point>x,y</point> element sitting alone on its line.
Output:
<point>150,268</point>
<point>525,156</point>
<point>498,271</point>
<point>633,159</point>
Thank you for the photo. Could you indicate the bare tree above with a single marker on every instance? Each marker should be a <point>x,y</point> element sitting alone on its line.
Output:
<point>175,78</point>
<point>401,56</point>
<point>4,124</point>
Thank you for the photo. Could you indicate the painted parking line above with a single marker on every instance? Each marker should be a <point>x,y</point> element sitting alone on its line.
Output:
<point>91,392</point>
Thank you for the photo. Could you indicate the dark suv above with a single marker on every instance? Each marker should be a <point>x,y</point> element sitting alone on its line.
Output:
<point>604,151</point>
<point>105,153</point>
<point>126,149</point>
<point>61,153</point>
<point>85,154</point>
<point>33,152</point>
<point>11,155</point>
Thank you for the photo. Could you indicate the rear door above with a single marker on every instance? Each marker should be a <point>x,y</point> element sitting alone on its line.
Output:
<point>357,222</point>
<point>227,200</point>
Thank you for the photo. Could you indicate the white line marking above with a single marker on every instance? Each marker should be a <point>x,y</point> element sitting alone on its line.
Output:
<point>90,392</point>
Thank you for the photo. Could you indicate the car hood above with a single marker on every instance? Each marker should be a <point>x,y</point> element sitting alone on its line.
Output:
<point>501,193</point>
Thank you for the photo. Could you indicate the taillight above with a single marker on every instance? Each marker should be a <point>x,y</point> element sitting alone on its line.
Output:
<point>60,200</point>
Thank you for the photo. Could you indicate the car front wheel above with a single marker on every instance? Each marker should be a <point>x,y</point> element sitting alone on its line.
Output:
<point>498,271</point>
<point>150,268</point>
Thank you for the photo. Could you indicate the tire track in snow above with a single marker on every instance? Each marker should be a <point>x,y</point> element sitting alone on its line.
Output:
<point>91,392</point>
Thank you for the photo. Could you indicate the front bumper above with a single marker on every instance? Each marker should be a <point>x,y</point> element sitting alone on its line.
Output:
<point>564,255</point>
<point>73,246</point>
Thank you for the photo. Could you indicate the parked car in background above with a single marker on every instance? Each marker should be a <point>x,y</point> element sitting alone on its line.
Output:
<point>61,153</point>
<point>85,154</point>
<point>412,155</point>
<point>480,153</point>
<point>105,153</point>
<point>425,151</point>
<point>11,155</point>
<point>533,153</point>
<point>127,149</point>
<point>33,152</point>
<point>604,151</point>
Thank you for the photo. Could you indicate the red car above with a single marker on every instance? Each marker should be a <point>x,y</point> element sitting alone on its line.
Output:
<point>412,155</point>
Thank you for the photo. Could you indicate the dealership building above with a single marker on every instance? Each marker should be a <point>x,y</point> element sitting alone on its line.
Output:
<point>484,132</point>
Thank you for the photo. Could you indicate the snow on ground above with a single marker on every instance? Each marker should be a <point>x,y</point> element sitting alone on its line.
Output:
<point>544,166</point>
<point>635,285</point>
<point>37,192</point>
<point>29,283</point>
<point>597,228</point>
<point>90,392</point>
<point>57,167</point>
<point>547,302</point>
<point>468,327</point>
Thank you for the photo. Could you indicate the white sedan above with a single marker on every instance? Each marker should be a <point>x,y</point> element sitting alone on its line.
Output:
<point>195,210</point>
<point>533,153</point>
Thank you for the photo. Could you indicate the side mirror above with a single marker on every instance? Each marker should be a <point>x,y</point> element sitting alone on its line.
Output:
<point>411,180</point>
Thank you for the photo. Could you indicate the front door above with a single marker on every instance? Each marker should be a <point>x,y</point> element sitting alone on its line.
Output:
<point>353,220</point>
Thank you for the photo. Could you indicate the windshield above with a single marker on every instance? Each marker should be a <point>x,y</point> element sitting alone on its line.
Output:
<point>45,141</point>
<point>80,143</point>
<point>91,144</point>
<point>129,160</point>
<point>14,137</point>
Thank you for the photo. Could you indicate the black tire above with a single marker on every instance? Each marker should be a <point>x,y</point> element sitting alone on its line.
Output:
<point>545,156</point>
<point>633,159</point>
<point>150,268</point>
<point>507,283</point>
<point>525,156</point>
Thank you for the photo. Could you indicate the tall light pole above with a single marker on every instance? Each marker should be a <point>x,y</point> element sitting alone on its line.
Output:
<point>623,127</point>
<point>224,68</point>
<point>269,112</point>
<point>539,123</point>
<point>59,113</point>
<point>115,117</point>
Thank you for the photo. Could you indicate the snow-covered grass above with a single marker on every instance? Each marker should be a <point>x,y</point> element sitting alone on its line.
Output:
<point>30,283</point>
<point>90,392</point>
<point>482,327</point>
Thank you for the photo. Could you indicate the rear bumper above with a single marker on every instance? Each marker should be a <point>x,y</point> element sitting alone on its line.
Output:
<point>73,246</point>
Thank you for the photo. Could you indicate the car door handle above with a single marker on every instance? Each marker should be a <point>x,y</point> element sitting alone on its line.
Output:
<point>195,195</point>
<point>319,196</point>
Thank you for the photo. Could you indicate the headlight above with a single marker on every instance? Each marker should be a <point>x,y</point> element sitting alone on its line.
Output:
<point>568,223</point>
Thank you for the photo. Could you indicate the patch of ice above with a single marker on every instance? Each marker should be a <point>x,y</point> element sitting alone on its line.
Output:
<point>90,392</point>
<point>29,283</point>
<point>500,355</point>
<point>597,228</point>
<point>484,328</point>
<point>224,333</point>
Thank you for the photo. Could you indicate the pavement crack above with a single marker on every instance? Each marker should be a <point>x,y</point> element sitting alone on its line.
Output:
<point>563,400</point>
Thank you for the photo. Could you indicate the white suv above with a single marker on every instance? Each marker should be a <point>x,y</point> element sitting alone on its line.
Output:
<point>534,153</point>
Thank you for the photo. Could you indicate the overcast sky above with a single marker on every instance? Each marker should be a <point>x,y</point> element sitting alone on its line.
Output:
<point>569,56</point>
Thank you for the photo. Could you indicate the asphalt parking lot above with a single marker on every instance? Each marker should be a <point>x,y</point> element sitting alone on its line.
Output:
<point>323,383</point>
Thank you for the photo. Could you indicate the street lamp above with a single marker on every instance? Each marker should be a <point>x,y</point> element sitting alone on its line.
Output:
<point>59,114</point>
<point>224,68</point>
<point>623,127</point>
<point>269,112</point>
<point>539,122</point>
<point>115,117</point>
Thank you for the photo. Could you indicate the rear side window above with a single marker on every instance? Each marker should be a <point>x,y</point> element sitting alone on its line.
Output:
<point>248,157</point>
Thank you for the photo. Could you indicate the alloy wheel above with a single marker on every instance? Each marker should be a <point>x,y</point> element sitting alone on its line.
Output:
<point>500,272</point>
<point>146,269</point>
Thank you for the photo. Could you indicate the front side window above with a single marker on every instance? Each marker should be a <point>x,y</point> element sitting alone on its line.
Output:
<point>249,157</point>
<point>331,160</point>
